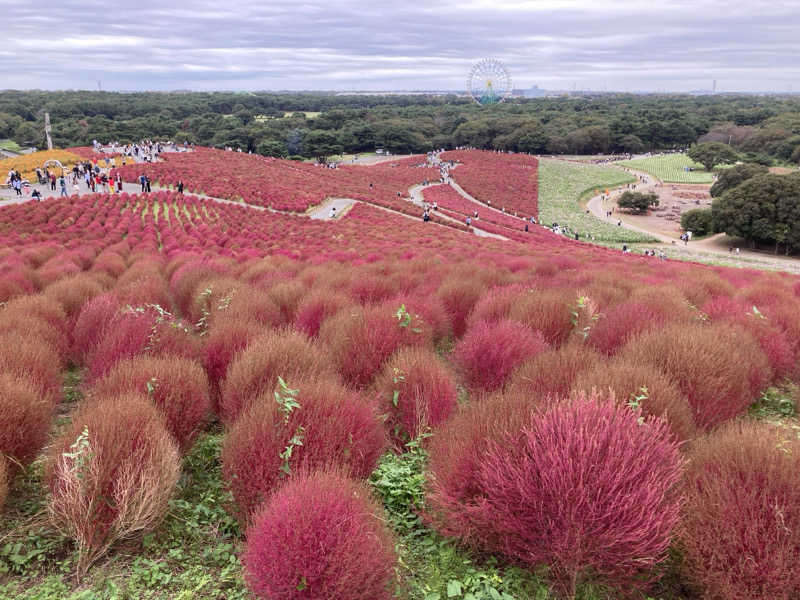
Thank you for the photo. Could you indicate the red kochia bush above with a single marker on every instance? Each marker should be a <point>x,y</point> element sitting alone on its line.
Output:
<point>177,386</point>
<point>583,488</point>
<point>25,419</point>
<point>92,321</point>
<point>645,385</point>
<point>226,338</point>
<point>741,521</point>
<point>33,360</point>
<point>361,339</point>
<point>719,368</point>
<point>552,373</point>
<point>110,474</point>
<point>316,307</point>
<point>320,536</point>
<point>338,428</point>
<point>489,352</point>
<point>417,391</point>
<point>255,370</point>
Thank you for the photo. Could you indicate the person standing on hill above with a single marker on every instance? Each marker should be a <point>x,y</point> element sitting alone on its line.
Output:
<point>180,187</point>
<point>142,180</point>
<point>147,183</point>
<point>52,182</point>
<point>63,183</point>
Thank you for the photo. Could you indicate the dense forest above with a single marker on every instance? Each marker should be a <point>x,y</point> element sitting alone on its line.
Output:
<point>764,129</point>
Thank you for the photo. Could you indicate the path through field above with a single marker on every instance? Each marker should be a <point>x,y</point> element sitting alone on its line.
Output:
<point>715,248</point>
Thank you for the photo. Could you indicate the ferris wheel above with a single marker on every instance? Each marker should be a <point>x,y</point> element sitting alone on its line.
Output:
<point>489,81</point>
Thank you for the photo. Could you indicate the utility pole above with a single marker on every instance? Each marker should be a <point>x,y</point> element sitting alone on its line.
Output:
<point>47,130</point>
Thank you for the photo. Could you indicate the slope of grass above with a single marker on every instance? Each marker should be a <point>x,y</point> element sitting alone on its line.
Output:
<point>562,186</point>
<point>670,168</point>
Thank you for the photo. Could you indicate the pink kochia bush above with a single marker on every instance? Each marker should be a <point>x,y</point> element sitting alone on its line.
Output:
<point>334,425</point>
<point>320,536</point>
<point>582,487</point>
<point>489,352</point>
<point>417,391</point>
<point>178,388</point>
<point>741,522</point>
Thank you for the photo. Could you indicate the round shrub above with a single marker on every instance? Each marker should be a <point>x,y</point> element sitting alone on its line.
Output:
<point>138,331</point>
<point>33,360</point>
<point>552,373</point>
<point>582,488</point>
<point>226,338</point>
<point>647,310</point>
<point>719,368</point>
<point>25,419</point>
<point>255,370</point>
<point>334,425</point>
<point>741,521</point>
<point>645,386</point>
<point>458,296</point>
<point>489,352</point>
<point>360,340</point>
<point>91,324</point>
<point>320,536</point>
<point>417,391</point>
<point>73,292</point>
<point>316,307</point>
<point>110,474</point>
<point>547,311</point>
<point>177,386</point>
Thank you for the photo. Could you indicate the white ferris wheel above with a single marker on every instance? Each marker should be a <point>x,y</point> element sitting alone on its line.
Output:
<point>489,81</point>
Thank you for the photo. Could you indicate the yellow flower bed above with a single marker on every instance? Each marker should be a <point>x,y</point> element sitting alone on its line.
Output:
<point>27,163</point>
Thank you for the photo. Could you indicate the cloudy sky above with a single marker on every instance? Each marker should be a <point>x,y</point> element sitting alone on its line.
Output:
<point>671,45</point>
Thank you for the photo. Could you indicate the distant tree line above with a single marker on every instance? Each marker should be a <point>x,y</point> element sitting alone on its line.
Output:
<point>762,129</point>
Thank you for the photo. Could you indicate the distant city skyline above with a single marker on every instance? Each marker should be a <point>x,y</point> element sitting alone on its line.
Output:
<point>636,46</point>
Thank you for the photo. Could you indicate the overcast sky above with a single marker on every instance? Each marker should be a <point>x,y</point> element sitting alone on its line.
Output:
<point>669,45</point>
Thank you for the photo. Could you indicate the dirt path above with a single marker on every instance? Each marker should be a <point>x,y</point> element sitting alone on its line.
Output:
<point>417,198</point>
<point>715,248</point>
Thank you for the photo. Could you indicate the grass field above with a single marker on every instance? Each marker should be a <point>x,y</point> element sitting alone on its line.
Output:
<point>669,168</point>
<point>10,145</point>
<point>562,186</point>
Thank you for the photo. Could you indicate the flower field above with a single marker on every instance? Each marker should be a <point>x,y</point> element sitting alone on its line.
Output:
<point>26,164</point>
<point>209,400</point>
<point>504,181</point>
<point>671,168</point>
<point>562,185</point>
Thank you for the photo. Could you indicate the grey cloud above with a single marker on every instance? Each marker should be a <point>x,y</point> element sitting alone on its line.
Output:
<point>346,44</point>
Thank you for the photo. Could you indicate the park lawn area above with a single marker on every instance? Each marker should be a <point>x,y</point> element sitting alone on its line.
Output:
<point>10,145</point>
<point>562,186</point>
<point>669,168</point>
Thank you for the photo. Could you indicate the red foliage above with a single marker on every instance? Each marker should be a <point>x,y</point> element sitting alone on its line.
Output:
<point>320,536</point>
<point>91,324</point>
<point>360,340</point>
<point>645,385</point>
<point>25,420</point>
<point>417,391</point>
<point>177,386</point>
<point>316,307</point>
<point>336,427</point>
<point>225,340</point>
<point>116,484</point>
<point>741,521</point>
<point>582,488</point>
<point>508,181</point>
<point>646,310</point>
<point>73,292</point>
<point>719,368</point>
<point>255,370</point>
<point>459,296</point>
<point>489,352</point>
<point>33,360</point>
<point>551,374</point>
<point>547,311</point>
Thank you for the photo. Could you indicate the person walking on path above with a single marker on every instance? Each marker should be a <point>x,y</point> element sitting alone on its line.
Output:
<point>63,183</point>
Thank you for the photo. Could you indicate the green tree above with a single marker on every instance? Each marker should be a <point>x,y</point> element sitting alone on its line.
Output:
<point>637,202</point>
<point>274,148</point>
<point>322,144</point>
<point>711,154</point>
<point>698,221</point>
<point>730,178</point>
<point>763,210</point>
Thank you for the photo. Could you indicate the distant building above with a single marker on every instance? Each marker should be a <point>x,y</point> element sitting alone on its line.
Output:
<point>534,92</point>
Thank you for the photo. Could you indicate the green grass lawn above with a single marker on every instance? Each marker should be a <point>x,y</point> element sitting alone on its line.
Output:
<point>562,186</point>
<point>10,145</point>
<point>669,168</point>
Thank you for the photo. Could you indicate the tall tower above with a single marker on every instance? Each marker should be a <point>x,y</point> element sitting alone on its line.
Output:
<point>714,87</point>
<point>47,130</point>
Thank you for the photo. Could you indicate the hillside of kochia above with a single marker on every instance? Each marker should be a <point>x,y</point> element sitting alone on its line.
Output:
<point>549,375</point>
